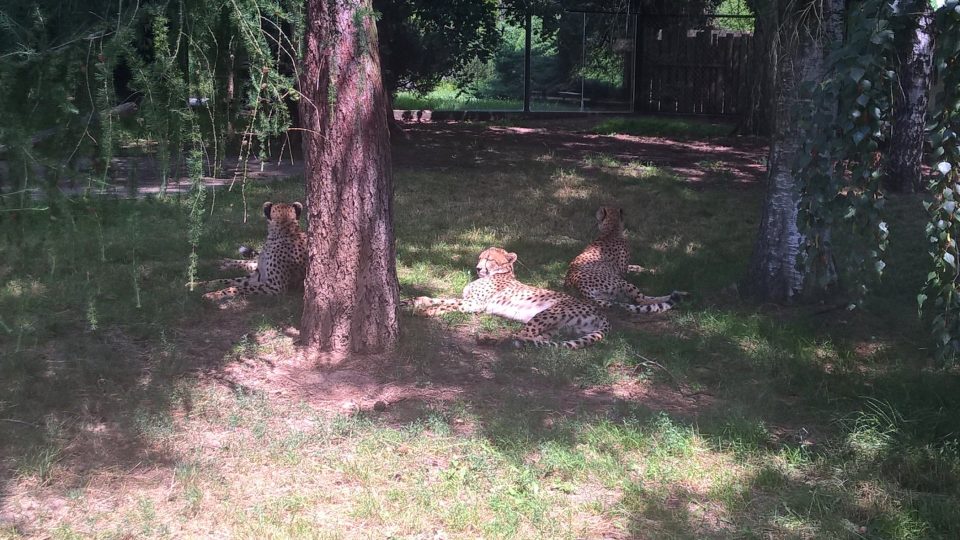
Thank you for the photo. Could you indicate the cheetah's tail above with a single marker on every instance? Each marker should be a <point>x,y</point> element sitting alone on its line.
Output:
<point>572,344</point>
<point>655,307</point>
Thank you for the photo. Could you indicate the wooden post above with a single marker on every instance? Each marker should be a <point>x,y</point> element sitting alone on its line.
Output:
<point>638,89</point>
<point>528,33</point>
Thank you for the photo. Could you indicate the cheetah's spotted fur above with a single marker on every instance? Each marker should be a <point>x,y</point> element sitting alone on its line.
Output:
<point>545,312</point>
<point>598,272</point>
<point>279,266</point>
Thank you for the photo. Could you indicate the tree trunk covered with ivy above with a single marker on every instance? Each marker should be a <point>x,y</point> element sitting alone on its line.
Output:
<point>351,291</point>
<point>915,51</point>
<point>797,56</point>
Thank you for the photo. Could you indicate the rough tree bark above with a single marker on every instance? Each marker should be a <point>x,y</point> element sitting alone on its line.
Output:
<point>915,49</point>
<point>351,292</point>
<point>797,56</point>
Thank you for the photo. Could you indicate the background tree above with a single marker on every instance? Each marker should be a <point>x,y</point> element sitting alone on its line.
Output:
<point>351,290</point>
<point>915,54</point>
<point>422,41</point>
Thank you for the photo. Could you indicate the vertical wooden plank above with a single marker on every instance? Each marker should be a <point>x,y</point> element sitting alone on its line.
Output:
<point>744,59</point>
<point>677,71</point>
<point>726,64</point>
<point>737,74</point>
<point>655,81</point>
<point>708,77</point>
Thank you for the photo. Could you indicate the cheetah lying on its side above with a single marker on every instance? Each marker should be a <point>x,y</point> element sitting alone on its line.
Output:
<point>545,313</point>
<point>598,272</point>
<point>280,265</point>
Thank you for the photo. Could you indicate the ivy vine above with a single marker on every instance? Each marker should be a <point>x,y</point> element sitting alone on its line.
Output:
<point>844,126</point>
<point>943,229</point>
<point>845,122</point>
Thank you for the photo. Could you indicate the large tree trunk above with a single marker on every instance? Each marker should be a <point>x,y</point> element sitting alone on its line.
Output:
<point>351,292</point>
<point>798,56</point>
<point>915,50</point>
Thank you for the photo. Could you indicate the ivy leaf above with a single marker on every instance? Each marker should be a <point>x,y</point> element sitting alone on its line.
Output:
<point>921,298</point>
<point>862,100</point>
<point>949,259</point>
<point>944,167</point>
<point>857,73</point>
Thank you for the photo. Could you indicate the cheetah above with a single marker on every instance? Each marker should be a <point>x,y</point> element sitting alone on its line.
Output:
<point>545,313</point>
<point>279,266</point>
<point>599,271</point>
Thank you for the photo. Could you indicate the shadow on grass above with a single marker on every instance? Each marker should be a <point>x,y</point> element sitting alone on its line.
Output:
<point>101,338</point>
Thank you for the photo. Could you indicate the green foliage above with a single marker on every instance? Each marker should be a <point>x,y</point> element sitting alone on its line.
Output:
<point>843,125</point>
<point>660,127</point>
<point>943,230</point>
<point>845,122</point>
<point>68,65</point>
<point>734,7</point>
<point>422,41</point>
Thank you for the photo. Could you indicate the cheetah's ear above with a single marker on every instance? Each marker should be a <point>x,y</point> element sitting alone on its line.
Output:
<point>511,258</point>
<point>266,209</point>
<point>601,213</point>
<point>298,207</point>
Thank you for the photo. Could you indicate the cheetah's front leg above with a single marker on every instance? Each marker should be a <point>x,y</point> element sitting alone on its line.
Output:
<point>426,305</point>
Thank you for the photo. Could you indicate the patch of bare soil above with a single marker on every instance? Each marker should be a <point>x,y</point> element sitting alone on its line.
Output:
<point>463,371</point>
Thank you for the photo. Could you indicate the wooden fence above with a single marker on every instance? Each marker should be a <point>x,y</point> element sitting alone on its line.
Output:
<point>692,71</point>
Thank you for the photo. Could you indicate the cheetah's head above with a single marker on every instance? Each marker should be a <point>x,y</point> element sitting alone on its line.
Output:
<point>610,219</point>
<point>494,261</point>
<point>281,212</point>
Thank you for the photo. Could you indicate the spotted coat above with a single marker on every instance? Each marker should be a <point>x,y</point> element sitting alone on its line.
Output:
<point>545,313</point>
<point>280,265</point>
<point>598,272</point>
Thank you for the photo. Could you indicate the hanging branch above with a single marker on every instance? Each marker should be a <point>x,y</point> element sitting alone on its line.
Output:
<point>844,122</point>
<point>944,226</point>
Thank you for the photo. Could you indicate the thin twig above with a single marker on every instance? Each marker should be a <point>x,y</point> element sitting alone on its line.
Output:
<point>648,363</point>
<point>15,421</point>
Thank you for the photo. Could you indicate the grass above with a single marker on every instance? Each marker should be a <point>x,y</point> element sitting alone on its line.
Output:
<point>177,419</point>
<point>663,127</point>
<point>448,98</point>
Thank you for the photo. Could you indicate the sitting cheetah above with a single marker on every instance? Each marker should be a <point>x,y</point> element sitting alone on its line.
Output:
<point>545,312</point>
<point>280,265</point>
<point>598,272</point>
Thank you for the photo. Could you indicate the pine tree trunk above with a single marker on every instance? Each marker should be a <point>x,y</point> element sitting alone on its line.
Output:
<point>351,291</point>
<point>773,274</point>
<point>910,99</point>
